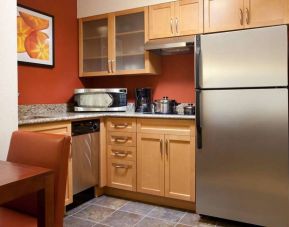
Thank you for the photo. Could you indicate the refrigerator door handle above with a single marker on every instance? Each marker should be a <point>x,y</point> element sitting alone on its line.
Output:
<point>198,120</point>
<point>197,60</point>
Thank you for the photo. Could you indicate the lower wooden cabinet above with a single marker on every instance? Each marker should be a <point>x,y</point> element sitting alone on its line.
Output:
<point>158,159</point>
<point>166,160</point>
<point>180,167</point>
<point>150,164</point>
<point>63,128</point>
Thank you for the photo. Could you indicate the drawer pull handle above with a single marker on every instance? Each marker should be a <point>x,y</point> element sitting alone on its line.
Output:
<point>120,139</point>
<point>121,125</point>
<point>120,154</point>
<point>120,166</point>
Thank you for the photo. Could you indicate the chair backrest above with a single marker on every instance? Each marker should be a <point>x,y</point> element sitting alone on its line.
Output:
<point>44,150</point>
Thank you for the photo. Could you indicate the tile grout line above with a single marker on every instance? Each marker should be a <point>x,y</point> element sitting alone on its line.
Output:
<point>77,211</point>
<point>81,209</point>
<point>118,209</point>
<point>181,219</point>
<point>146,215</point>
<point>99,222</point>
<point>115,210</point>
<point>83,219</point>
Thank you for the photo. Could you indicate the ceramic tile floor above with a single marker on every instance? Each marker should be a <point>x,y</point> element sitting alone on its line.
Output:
<point>109,211</point>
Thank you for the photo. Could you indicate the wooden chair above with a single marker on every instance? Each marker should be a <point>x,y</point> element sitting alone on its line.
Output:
<point>44,150</point>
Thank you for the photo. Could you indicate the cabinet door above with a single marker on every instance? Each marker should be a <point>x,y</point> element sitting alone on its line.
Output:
<point>264,13</point>
<point>130,39</point>
<point>93,47</point>
<point>188,17</point>
<point>63,128</point>
<point>222,15</point>
<point>150,164</point>
<point>161,21</point>
<point>180,167</point>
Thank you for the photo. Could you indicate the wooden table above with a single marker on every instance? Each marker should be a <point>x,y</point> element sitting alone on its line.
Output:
<point>17,180</point>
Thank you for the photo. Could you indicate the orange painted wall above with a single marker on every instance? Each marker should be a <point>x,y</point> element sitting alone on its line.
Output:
<point>41,85</point>
<point>175,81</point>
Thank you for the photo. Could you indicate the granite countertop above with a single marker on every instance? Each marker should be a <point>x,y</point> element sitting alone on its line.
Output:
<point>72,116</point>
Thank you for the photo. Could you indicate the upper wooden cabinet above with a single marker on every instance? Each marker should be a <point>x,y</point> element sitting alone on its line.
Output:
<point>223,15</point>
<point>265,13</point>
<point>183,17</point>
<point>113,44</point>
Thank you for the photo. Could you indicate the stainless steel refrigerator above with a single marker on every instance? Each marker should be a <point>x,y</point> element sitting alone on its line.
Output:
<point>242,125</point>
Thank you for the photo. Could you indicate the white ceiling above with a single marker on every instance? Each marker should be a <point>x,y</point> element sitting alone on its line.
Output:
<point>87,8</point>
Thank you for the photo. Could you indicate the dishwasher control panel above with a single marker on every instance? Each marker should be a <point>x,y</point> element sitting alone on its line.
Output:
<point>84,127</point>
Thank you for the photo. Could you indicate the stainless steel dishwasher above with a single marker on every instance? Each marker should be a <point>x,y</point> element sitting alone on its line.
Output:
<point>85,154</point>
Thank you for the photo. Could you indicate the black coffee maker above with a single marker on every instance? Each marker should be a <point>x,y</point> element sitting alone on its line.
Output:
<point>143,100</point>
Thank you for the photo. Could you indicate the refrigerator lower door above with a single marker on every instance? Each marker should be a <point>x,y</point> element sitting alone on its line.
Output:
<point>242,168</point>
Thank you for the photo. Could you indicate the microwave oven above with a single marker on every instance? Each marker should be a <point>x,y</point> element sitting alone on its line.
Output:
<point>100,100</point>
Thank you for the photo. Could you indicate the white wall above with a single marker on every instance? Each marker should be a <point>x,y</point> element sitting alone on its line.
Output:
<point>8,74</point>
<point>87,8</point>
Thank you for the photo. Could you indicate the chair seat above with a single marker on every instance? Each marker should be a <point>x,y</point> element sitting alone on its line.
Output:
<point>12,218</point>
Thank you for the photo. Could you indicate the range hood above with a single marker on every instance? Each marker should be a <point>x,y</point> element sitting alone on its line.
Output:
<point>170,46</point>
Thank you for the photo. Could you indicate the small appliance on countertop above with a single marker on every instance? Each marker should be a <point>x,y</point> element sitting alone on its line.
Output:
<point>100,100</point>
<point>189,109</point>
<point>165,106</point>
<point>143,100</point>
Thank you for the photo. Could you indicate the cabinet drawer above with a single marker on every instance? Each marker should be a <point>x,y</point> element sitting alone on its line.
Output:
<point>121,138</point>
<point>121,124</point>
<point>122,174</point>
<point>63,128</point>
<point>121,152</point>
<point>164,126</point>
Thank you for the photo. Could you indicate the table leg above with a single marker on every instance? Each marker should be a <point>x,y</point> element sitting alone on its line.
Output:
<point>45,200</point>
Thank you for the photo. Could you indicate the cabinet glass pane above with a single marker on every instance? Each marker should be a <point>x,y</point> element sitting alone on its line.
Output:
<point>130,42</point>
<point>95,45</point>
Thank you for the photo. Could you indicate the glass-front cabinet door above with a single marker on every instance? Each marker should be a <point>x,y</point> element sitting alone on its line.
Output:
<point>113,44</point>
<point>129,40</point>
<point>94,47</point>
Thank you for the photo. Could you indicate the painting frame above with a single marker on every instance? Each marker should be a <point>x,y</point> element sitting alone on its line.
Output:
<point>23,58</point>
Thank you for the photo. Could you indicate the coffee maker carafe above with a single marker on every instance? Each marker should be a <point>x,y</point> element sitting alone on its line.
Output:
<point>143,100</point>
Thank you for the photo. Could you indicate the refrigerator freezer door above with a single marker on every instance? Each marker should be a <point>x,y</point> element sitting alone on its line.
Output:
<point>248,58</point>
<point>242,168</point>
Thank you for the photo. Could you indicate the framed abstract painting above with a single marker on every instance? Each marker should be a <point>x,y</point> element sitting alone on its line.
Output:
<point>35,37</point>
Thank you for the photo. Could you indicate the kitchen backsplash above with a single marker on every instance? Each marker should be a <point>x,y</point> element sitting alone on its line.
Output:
<point>42,109</point>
